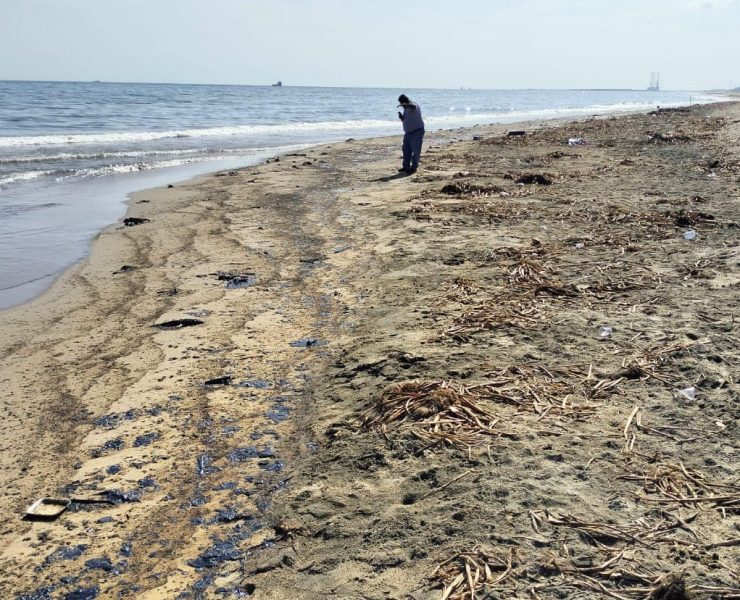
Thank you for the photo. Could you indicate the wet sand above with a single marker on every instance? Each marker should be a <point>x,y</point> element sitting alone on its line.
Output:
<point>468,299</point>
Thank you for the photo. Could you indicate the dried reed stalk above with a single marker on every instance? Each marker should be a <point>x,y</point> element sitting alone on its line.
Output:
<point>465,574</point>
<point>677,484</point>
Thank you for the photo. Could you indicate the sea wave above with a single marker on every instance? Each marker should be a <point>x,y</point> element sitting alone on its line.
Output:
<point>123,137</point>
<point>24,176</point>
<point>134,167</point>
<point>455,115</point>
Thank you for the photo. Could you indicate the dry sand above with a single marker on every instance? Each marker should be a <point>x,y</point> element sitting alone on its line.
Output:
<point>454,403</point>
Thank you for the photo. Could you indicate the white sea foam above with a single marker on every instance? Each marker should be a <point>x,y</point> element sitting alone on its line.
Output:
<point>136,154</point>
<point>24,176</point>
<point>124,137</point>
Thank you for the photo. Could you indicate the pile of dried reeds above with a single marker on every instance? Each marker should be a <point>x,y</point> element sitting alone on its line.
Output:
<point>648,362</point>
<point>465,574</point>
<point>539,390</point>
<point>496,312</point>
<point>623,576</point>
<point>527,272</point>
<point>461,290</point>
<point>435,412</point>
<point>615,579</point>
<point>679,485</point>
<point>642,532</point>
<point>516,252</point>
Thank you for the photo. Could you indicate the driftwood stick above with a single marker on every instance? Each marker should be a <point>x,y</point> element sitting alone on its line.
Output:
<point>450,482</point>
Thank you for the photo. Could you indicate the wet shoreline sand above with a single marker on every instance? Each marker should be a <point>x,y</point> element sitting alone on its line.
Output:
<point>270,482</point>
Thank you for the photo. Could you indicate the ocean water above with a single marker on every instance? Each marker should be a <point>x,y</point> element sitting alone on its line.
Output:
<point>70,153</point>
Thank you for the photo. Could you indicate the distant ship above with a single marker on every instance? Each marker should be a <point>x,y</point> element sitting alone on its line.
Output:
<point>278,84</point>
<point>654,82</point>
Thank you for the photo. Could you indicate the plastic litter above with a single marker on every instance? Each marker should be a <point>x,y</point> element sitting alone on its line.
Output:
<point>689,235</point>
<point>689,392</point>
<point>605,332</point>
<point>576,141</point>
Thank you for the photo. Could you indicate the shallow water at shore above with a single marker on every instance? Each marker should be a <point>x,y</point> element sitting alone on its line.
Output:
<point>48,230</point>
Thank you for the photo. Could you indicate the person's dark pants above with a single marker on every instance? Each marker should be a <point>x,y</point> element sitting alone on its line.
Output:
<point>412,149</point>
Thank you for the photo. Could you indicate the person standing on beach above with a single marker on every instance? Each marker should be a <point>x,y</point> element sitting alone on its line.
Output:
<point>413,133</point>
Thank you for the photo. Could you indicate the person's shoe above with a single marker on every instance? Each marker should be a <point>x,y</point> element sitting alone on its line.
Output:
<point>411,171</point>
<point>403,170</point>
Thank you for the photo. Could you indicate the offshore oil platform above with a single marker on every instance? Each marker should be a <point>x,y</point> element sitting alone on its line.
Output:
<point>654,82</point>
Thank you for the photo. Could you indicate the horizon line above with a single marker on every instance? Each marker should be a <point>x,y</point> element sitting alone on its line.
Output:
<point>462,88</point>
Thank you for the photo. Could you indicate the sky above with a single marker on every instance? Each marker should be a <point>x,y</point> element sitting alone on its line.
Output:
<point>694,44</point>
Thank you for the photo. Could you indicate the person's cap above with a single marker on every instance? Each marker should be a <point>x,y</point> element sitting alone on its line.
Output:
<point>403,99</point>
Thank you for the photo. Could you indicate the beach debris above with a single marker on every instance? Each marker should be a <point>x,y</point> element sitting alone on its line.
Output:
<point>644,531</point>
<point>214,555</point>
<point>90,593</point>
<point>689,235</point>
<point>577,141</point>
<point>649,362</point>
<point>667,138</point>
<point>65,553</point>
<point>124,269</point>
<point>461,290</point>
<point>672,109</point>
<point>435,412</point>
<point>454,260</point>
<point>145,439</point>
<point>203,465</point>
<point>235,281</point>
<point>689,393</point>
<point>114,445</point>
<point>679,485</point>
<point>121,496</point>
<point>103,564</point>
<point>249,453</point>
<point>113,420</point>
<point>494,313</point>
<point>178,323</point>
<point>534,179</point>
<point>465,574</point>
<point>46,509</point>
<point>516,133</point>
<point>132,221</point>
<point>258,384</point>
<point>605,332</point>
<point>464,188</point>
<point>218,381</point>
<point>307,343</point>
<point>607,576</point>
<point>278,413</point>
<point>527,271</point>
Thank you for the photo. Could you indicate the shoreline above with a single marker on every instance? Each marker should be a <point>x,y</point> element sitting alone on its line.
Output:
<point>56,275</point>
<point>220,481</point>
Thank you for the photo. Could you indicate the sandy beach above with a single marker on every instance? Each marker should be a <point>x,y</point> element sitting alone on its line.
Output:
<point>512,374</point>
